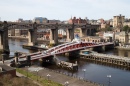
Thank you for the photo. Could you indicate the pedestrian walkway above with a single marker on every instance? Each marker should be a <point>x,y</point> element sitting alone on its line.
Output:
<point>19,74</point>
<point>61,78</point>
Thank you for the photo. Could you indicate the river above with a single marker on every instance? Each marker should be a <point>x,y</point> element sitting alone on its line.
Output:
<point>95,72</point>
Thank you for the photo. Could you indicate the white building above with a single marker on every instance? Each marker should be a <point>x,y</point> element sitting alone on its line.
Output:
<point>109,36</point>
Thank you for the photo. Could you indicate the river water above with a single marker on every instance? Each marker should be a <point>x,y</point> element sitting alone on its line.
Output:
<point>95,72</point>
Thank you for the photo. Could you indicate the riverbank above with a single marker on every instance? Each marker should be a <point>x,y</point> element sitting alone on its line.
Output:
<point>18,37</point>
<point>35,78</point>
<point>59,77</point>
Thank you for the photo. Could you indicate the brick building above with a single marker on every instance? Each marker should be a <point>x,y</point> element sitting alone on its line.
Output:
<point>77,20</point>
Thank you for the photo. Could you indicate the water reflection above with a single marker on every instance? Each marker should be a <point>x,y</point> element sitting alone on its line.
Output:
<point>16,45</point>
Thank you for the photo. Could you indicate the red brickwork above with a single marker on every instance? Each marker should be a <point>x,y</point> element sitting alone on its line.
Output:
<point>77,20</point>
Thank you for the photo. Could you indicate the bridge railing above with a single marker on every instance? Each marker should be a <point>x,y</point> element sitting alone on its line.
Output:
<point>56,47</point>
<point>78,47</point>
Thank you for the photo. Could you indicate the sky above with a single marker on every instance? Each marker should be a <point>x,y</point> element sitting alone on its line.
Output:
<point>11,10</point>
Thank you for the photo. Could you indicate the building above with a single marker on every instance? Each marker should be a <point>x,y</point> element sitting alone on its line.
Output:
<point>11,32</point>
<point>24,21</point>
<point>40,20</point>
<point>109,36</point>
<point>127,22</point>
<point>43,34</point>
<point>93,22</point>
<point>54,21</point>
<point>118,21</point>
<point>122,37</point>
<point>128,38</point>
<point>27,21</point>
<point>4,69</point>
<point>19,20</point>
<point>101,21</point>
<point>111,22</point>
<point>76,20</point>
<point>18,32</point>
<point>105,25</point>
<point>62,33</point>
<point>92,39</point>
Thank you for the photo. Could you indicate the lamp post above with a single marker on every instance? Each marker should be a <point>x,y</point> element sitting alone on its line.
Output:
<point>3,57</point>
<point>84,70</point>
<point>66,83</point>
<point>48,75</point>
<point>109,77</point>
<point>37,73</point>
<point>27,70</point>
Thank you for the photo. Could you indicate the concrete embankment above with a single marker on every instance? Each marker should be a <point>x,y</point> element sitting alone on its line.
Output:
<point>105,58</point>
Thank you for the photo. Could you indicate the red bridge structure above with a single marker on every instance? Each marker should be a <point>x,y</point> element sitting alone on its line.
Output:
<point>64,48</point>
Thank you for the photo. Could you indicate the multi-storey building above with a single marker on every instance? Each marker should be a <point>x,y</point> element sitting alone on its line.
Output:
<point>77,20</point>
<point>118,21</point>
<point>105,24</point>
<point>40,20</point>
<point>123,37</point>
<point>109,36</point>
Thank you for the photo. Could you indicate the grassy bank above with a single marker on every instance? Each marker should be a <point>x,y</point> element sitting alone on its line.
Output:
<point>40,80</point>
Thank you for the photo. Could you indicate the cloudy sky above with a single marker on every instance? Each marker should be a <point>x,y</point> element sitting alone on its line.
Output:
<point>63,9</point>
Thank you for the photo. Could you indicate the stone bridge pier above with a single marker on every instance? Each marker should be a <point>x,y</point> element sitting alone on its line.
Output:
<point>54,34</point>
<point>70,33</point>
<point>83,32</point>
<point>32,35</point>
<point>4,47</point>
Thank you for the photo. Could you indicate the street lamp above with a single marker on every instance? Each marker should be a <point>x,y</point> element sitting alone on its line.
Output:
<point>109,77</point>
<point>84,70</point>
<point>37,73</point>
<point>66,83</point>
<point>27,70</point>
<point>48,75</point>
